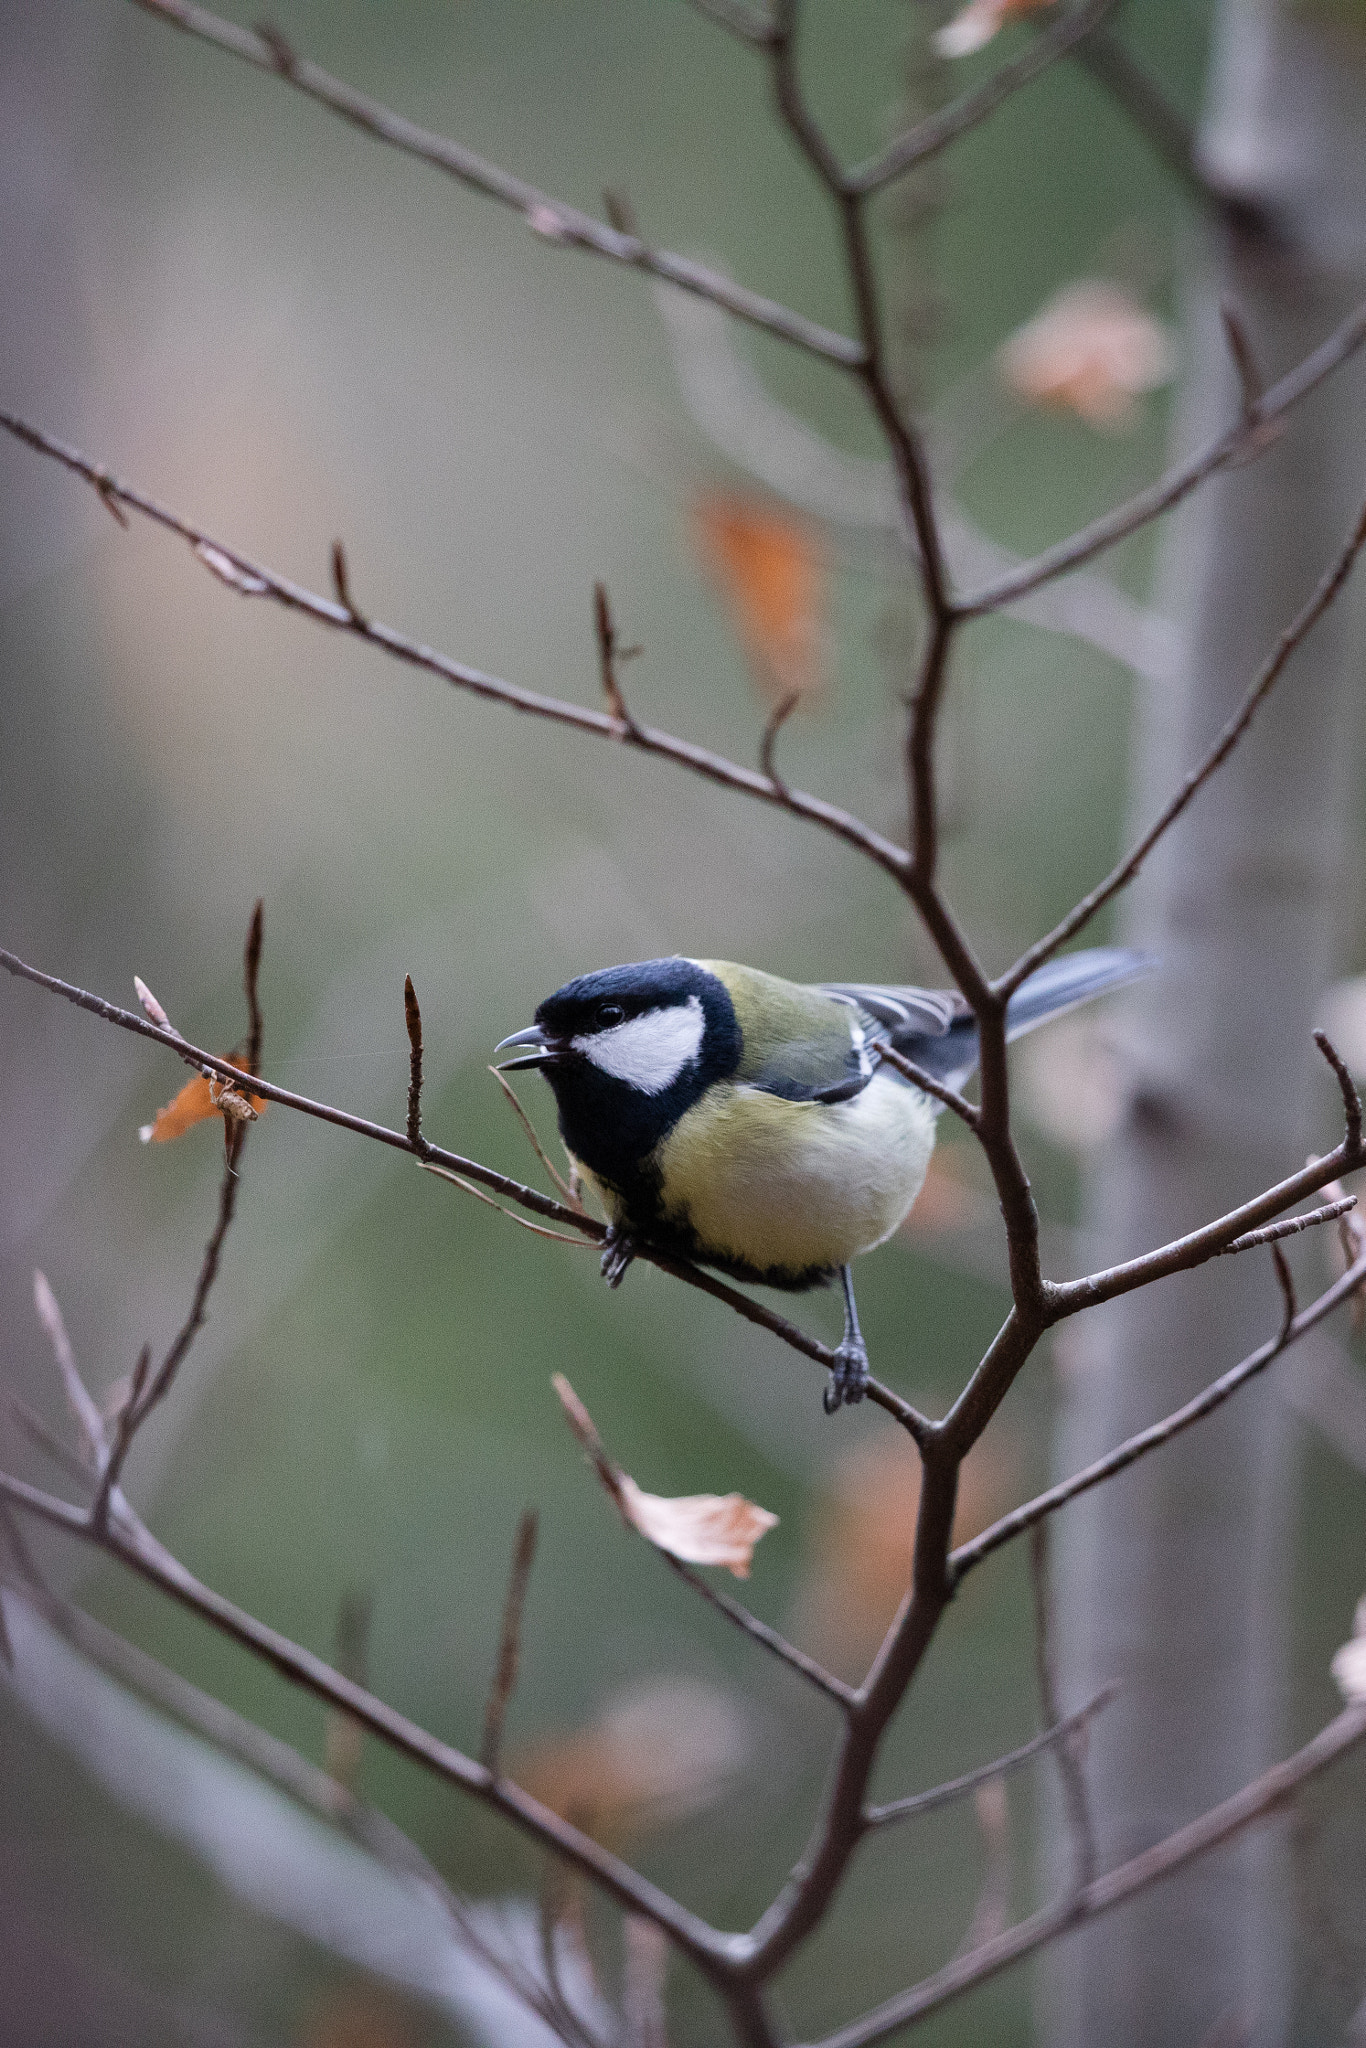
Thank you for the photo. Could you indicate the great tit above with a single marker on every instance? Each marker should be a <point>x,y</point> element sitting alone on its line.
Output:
<point>748,1123</point>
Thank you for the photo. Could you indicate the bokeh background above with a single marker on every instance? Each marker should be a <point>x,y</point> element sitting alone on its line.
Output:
<point>291,334</point>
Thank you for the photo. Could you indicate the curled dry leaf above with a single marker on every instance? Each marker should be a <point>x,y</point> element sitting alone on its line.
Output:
<point>700,1528</point>
<point>973,27</point>
<point>199,1099</point>
<point>1091,350</point>
<point>771,572</point>
<point>1349,1665</point>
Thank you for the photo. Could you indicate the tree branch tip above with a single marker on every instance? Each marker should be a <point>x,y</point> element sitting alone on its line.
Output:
<point>1250,379</point>
<point>777,719</point>
<point>152,1007</point>
<point>341,583</point>
<point>1351,1100</point>
<point>620,213</point>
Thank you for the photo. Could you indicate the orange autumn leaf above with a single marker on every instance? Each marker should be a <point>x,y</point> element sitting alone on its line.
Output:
<point>198,1099</point>
<point>772,574</point>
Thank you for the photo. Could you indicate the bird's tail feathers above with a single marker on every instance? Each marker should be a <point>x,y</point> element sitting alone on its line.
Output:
<point>1057,986</point>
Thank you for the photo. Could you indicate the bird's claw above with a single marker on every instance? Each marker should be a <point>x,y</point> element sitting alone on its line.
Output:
<point>848,1378</point>
<point>617,1254</point>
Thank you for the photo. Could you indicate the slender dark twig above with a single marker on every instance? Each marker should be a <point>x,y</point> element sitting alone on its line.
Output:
<point>760,1632</point>
<point>125,1423</point>
<point>939,129</point>
<point>1250,380</point>
<point>1138,1446</point>
<point>251,579</point>
<point>1120,876</point>
<point>955,1788</point>
<point>1351,1101</point>
<point>609,654</point>
<point>509,1644</point>
<point>412,1018</point>
<point>552,219</point>
<point>777,719</point>
<point>1286,1282</point>
<point>341,583</point>
<point>1232,446</point>
<point>1265,1795</point>
<point>1069,1750</point>
<point>708,1949</point>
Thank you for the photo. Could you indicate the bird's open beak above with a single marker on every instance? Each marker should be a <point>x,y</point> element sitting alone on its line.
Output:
<point>543,1052</point>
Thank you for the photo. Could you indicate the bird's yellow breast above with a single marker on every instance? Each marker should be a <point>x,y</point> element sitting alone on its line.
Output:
<point>790,1187</point>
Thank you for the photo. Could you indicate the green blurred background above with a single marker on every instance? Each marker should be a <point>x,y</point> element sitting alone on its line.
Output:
<point>289,334</point>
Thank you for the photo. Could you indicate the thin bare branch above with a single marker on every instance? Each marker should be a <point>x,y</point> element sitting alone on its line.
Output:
<point>125,1423</point>
<point>1260,688</point>
<point>1264,1796</point>
<point>537,1147</point>
<point>341,583</point>
<point>509,1644</point>
<point>412,1018</point>
<point>777,719</point>
<point>1135,1447</point>
<point>1286,1282</point>
<point>1250,379</point>
<point>459,1180</point>
<point>708,1949</point>
<point>251,974</point>
<point>1292,1225</point>
<point>1178,483</point>
<point>955,1788</point>
<point>609,654</point>
<point>1071,1748</point>
<point>760,1632</point>
<point>1351,1101</point>
<point>250,579</point>
<point>970,109</point>
<point>83,1407</point>
<point>551,218</point>
<point>931,1084</point>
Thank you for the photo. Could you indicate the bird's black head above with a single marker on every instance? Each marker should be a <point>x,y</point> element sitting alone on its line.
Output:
<point>627,1051</point>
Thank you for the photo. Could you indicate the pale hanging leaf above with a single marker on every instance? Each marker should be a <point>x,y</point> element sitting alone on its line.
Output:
<point>1349,1665</point>
<point>973,27</point>
<point>699,1528</point>
<point>1091,350</point>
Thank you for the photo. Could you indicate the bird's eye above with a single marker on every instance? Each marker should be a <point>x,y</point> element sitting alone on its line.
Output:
<point>608,1015</point>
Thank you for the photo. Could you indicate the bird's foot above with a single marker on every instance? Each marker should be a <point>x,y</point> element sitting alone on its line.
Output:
<point>617,1254</point>
<point>848,1378</point>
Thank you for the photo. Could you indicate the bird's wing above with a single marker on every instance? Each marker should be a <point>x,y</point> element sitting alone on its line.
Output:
<point>902,1012</point>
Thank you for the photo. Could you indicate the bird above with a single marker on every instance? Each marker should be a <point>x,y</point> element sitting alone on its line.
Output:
<point>747,1123</point>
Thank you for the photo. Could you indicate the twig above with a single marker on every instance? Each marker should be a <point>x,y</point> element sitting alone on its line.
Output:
<point>251,971</point>
<point>529,1129</point>
<point>84,1409</point>
<point>505,1673</point>
<point>125,1423</point>
<point>991,1914</point>
<point>274,1760</point>
<point>1014,1524</point>
<point>1292,1225</point>
<point>955,1788</point>
<point>548,217</point>
<point>1170,134</point>
<point>460,1180</point>
<point>412,1018</point>
<point>939,129</point>
<point>760,1632</point>
<point>931,1084</point>
<point>1264,1796</point>
<point>608,657</point>
<point>1285,1281</point>
<point>1250,380</point>
<point>1120,876</point>
<point>709,1950</point>
<point>1178,482</point>
<point>1351,1101</point>
<point>1069,1749</point>
<point>777,719</point>
<point>251,579</point>
<point>341,583</point>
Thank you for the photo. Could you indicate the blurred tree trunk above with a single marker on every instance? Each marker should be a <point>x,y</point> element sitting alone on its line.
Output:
<point>1173,1580</point>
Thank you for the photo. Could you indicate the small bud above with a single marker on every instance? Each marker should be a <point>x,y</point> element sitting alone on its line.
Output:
<point>229,572</point>
<point>152,1006</point>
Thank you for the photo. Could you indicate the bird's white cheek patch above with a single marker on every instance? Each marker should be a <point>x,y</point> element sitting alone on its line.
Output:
<point>648,1052</point>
